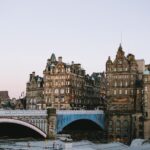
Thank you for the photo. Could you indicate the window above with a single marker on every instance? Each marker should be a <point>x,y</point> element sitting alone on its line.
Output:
<point>47,84</point>
<point>125,124</point>
<point>145,79</point>
<point>110,123</point>
<point>68,69</point>
<point>39,85</point>
<point>56,91</point>
<point>56,83</point>
<point>145,97</point>
<point>121,83</point>
<point>145,89</point>
<point>120,62</point>
<point>125,128</point>
<point>126,83</point>
<point>67,90</point>
<point>62,99</point>
<point>120,91</point>
<point>126,92</point>
<point>115,92</point>
<point>118,125</point>
<point>56,99</point>
<point>62,91</point>
<point>115,84</point>
<point>131,92</point>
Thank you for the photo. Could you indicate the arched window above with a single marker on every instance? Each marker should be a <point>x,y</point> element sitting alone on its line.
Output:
<point>56,91</point>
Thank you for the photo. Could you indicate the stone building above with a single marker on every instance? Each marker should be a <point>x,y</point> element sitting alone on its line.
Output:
<point>65,86</point>
<point>91,95</point>
<point>3,97</point>
<point>34,92</point>
<point>146,102</point>
<point>63,83</point>
<point>123,102</point>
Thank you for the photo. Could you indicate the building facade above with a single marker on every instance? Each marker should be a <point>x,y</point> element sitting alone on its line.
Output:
<point>63,86</point>
<point>4,96</point>
<point>122,100</point>
<point>63,83</point>
<point>146,102</point>
<point>34,92</point>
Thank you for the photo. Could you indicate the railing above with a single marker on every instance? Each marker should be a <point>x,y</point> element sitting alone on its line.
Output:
<point>80,112</point>
<point>23,113</point>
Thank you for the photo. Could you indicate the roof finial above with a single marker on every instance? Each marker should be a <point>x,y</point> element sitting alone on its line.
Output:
<point>120,47</point>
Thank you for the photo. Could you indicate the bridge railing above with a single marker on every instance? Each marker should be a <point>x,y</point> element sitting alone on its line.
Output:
<point>80,112</point>
<point>23,113</point>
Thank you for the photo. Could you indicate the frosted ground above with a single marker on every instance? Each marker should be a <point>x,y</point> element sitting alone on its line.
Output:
<point>137,144</point>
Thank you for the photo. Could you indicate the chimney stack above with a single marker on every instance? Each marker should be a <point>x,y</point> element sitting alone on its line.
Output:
<point>59,59</point>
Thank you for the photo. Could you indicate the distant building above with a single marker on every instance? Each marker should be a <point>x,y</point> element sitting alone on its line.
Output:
<point>3,97</point>
<point>34,92</point>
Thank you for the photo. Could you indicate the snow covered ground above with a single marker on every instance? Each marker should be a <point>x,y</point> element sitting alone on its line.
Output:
<point>138,144</point>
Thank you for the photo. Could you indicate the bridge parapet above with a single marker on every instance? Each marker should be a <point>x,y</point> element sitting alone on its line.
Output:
<point>5,113</point>
<point>37,118</point>
<point>69,112</point>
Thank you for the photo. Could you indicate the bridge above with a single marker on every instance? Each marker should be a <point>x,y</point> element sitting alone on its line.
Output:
<point>49,122</point>
<point>64,118</point>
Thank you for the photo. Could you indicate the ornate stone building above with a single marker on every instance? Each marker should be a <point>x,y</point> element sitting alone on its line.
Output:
<point>34,92</point>
<point>64,86</point>
<point>63,83</point>
<point>122,99</point>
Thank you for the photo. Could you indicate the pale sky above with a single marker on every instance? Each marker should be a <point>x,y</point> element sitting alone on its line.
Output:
<point>84,31</point>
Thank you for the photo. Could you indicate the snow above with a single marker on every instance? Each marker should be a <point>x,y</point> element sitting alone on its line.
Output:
<point>137,144</point>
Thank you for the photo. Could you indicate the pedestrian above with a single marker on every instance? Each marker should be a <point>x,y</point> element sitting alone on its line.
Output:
<point>53,145</point>
<point>28,144</point>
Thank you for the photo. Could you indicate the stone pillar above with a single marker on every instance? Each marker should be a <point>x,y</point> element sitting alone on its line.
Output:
<point>51,123</point>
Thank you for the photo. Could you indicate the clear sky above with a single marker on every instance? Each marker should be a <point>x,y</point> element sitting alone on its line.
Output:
<point>84,31</point>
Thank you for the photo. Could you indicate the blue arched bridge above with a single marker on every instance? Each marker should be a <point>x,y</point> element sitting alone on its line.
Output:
<point>65,118</point>
<point>49,122</point>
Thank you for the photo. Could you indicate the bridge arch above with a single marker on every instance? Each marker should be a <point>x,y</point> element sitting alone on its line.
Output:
<point>20,122</point>
<point>65,120</point>
<point>87,121</point>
